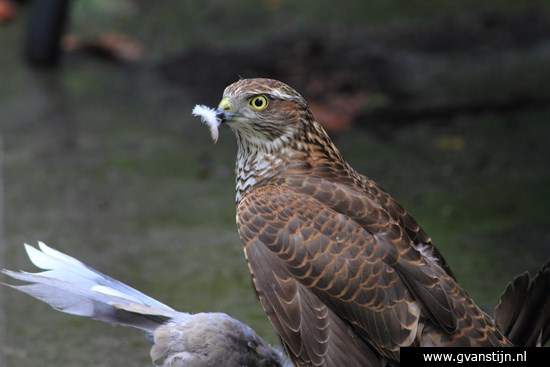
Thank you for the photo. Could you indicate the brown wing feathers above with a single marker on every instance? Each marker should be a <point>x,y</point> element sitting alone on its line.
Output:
<point>379,224</point>
<point>311,332</point>
<point>351,285</point>
<point>523,312</point>
<point>363,277</point>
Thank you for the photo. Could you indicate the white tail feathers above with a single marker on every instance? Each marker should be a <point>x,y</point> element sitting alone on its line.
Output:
<point>70,286</point>
<point>179,339</point>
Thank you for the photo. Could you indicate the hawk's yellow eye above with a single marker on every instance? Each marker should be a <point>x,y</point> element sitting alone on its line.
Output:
<point>258,103</point>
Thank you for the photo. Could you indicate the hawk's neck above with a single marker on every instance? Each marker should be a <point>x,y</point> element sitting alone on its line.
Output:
<point>308,154</point>
<point>256,167</point>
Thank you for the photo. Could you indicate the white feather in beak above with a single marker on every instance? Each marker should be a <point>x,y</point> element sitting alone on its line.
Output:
<point>208,116</point>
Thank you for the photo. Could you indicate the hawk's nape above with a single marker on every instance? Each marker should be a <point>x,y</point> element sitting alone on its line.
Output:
<point>344,273</point>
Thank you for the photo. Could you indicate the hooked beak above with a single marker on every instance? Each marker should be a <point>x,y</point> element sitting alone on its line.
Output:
<point>223,113</point>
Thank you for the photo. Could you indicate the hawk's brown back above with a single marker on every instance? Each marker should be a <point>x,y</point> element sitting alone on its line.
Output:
<point>314,246</point>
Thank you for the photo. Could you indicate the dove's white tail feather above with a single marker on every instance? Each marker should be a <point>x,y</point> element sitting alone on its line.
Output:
<point>71,286</point>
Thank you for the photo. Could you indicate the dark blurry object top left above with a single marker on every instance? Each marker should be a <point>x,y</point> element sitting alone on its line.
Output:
<point>46,25</point>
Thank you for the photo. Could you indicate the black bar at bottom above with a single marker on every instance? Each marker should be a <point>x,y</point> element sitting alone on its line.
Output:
<point>479,357</point>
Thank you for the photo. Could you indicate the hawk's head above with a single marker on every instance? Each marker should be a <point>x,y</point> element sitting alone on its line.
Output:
<point>263,113</point>
<point>275,130</point>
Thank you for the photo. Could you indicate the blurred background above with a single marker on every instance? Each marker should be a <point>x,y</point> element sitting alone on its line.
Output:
<point>446,104</point>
